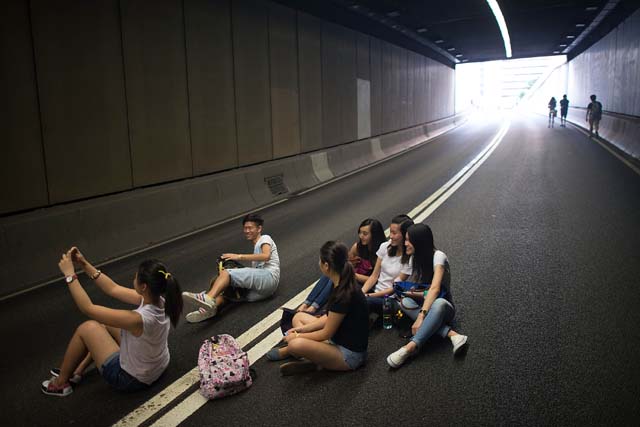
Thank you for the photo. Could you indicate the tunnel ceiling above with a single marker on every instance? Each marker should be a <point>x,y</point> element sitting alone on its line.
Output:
<point>454,31</point>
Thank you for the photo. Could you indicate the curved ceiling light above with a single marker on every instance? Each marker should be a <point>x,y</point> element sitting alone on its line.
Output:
<point>495,8</point>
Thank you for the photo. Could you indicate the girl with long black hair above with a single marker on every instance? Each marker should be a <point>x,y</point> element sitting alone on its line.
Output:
<point>430,266</point>
<point>392,257</point>
<point>362,256</point>
<point>129,347</point>
<point>346,326</point>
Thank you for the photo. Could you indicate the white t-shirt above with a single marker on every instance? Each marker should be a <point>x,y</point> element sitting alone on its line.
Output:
<point>439,258</point>
<point>273,263</point>
<point>146,357</point>
<point>390,267</point>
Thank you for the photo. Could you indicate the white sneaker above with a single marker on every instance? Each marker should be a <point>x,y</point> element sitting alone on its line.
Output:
<point>459,342</point>
<point>201,299</point>
<point>398,357</point>
<point>200,315</point>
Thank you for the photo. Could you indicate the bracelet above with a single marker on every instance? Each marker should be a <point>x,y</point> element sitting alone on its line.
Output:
<point>95,275</point>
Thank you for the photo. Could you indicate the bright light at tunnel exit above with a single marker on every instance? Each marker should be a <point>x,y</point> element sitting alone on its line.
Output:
<point>495,8</point>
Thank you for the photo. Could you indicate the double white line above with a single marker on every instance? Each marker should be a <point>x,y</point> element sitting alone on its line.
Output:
<point>195,400</point>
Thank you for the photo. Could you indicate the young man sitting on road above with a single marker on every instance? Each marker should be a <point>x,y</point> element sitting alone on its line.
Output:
<point>259,281</point>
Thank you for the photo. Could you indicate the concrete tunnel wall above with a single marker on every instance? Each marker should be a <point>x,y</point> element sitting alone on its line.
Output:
<point>610,69</point>
<point>128,123</point>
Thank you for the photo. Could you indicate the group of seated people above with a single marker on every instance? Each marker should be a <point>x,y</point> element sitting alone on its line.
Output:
<point>329,330</point>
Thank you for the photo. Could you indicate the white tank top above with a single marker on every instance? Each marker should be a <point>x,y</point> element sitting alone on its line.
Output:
<point>146,357</point>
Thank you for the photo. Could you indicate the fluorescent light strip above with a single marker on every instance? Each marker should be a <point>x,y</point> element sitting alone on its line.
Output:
<point>495,8</point>
<point>611,4</point>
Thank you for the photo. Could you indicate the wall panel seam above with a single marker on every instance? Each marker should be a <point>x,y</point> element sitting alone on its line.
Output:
<point>124,87</point>
<point>235,86</point>
<point>186,75</point>
<point>35,81</point>
<point>270,82</point>
<point>298,82</point>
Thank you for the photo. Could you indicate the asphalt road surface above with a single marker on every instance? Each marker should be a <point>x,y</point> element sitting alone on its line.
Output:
<point>544,245</point>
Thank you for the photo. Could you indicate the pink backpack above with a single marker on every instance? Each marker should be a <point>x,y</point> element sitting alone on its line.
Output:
<point>224,367</point>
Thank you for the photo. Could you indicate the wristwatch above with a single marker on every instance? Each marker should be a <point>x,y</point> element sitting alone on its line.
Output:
<point>71,278</point>
<point>423,312</point>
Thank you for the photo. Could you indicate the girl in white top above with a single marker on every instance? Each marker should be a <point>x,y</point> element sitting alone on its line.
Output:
<point>129,347</point>
<point>391,258</point>
<point>428,266</point>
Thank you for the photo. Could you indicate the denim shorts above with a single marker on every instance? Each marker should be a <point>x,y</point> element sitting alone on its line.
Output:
<point>259,281</point>
<point>354,359</point>
<point>117,377</point>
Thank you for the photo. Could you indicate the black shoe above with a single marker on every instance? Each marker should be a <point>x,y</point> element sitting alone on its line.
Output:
<point>74,380</point>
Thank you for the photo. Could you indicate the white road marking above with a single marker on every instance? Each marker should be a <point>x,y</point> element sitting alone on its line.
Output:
<point>413,214</point>
<point>475,164</point>
<point>194,401</point>
<point>179,386</point>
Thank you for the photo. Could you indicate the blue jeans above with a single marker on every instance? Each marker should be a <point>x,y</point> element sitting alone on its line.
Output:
<point>319,295</point>
<point>437,320</point>
<point>117,377</point>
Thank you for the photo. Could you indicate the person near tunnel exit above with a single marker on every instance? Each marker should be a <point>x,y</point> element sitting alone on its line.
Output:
<point>258,282</point>
<point>564,109</point>
<point>129,347</point>
<point>594,115</point>
<point>552,111</point>
<point>430,266</point>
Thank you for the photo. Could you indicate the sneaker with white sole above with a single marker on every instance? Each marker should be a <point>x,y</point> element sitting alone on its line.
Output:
<point>459,343</point>
<point>200,315</point>
<point>201,299</point>
<point>52,390</point>
<point>398,357</point>
<point>74,379</point>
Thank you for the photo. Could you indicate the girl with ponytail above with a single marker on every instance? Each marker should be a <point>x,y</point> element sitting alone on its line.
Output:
<point>362,256</point>
<point>346,324</point>
<point>129,347</point>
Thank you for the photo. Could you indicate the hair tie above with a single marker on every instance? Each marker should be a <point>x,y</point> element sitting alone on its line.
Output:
<point>165,274</point>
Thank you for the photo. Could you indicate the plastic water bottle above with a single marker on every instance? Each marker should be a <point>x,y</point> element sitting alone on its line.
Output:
<point>386,313</point>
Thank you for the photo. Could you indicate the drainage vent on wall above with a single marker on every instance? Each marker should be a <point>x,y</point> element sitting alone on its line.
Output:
<point>276,184</point>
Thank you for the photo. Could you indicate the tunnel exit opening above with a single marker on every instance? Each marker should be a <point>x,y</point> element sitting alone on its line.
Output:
<point>501,85</point>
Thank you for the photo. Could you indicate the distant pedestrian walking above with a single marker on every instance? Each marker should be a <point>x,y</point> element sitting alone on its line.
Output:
<point>594,115</point>
<point>552,111</point>
<point>564,109</point>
